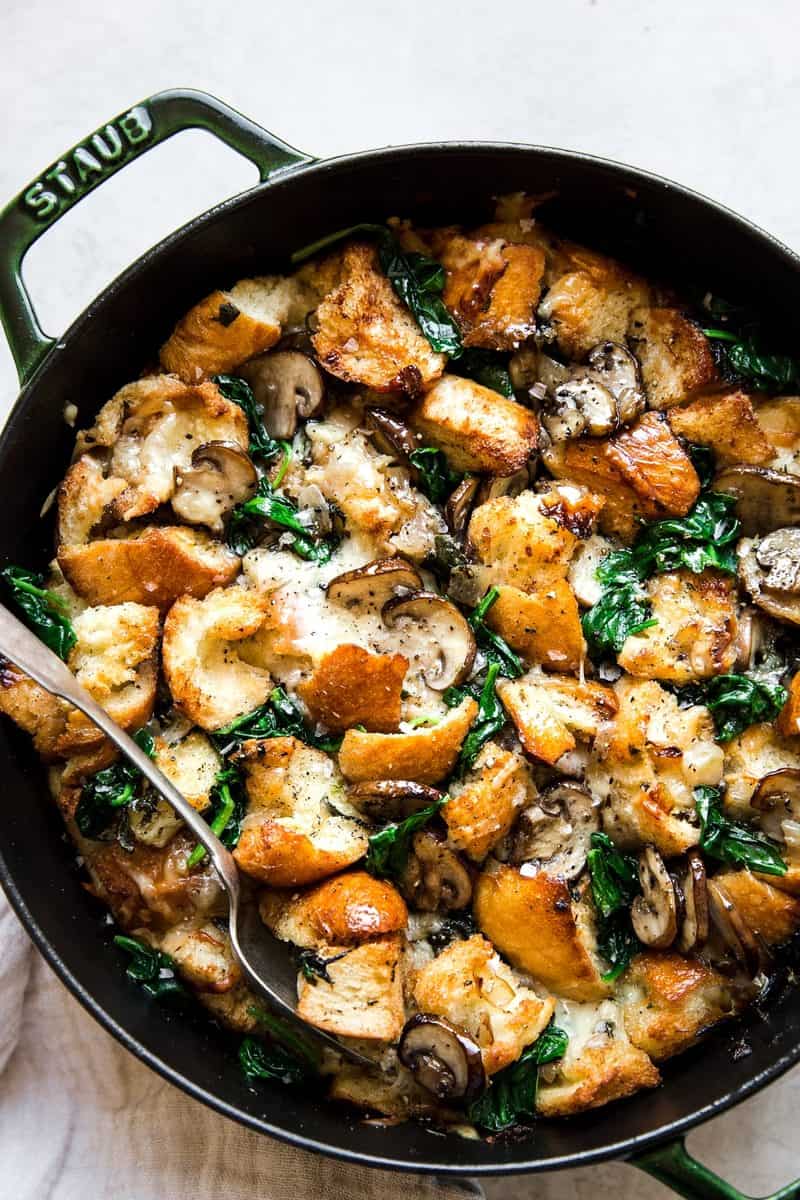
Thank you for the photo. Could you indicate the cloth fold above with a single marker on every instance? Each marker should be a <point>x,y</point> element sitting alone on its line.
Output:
<point>80,1115</point>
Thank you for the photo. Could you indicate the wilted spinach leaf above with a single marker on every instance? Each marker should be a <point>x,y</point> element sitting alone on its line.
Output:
<point>262,444</point>
<point>435,478</point>
<point>389,849</point>
<point>279,716</point>
<point>731,841</point>
<point>247,521</point>
<point>490,719</point>
<point>225,816</point>
<point>313,966</point>
<point>744,355</point>
<point>511,1096</point>
<point>152,969</point>
<point>44,612</point>
<point>282,1035</point>
<point>495,648</point>
<point>110,790</point>
<point>614,879</point>
<point>486,367</point>
<point>735,701</point>
<point>703,462</point>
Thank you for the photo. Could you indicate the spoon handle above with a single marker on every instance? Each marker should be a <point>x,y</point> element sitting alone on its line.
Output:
<point>24,649</point>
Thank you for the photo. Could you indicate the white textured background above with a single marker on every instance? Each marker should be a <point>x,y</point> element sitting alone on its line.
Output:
<point>707,93</point>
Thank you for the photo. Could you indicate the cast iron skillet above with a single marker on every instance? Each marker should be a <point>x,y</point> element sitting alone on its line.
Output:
<point>655,224</point>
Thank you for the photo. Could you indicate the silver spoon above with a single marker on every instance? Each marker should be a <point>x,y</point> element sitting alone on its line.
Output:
<point>265,962</point>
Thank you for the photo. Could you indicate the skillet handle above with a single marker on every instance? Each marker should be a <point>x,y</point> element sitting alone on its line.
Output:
<point>87,165</point>
<point>674,1166</point>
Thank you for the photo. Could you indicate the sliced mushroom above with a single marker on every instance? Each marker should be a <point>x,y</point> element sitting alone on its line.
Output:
<point>616,368</point>
<point>390,435</point>
<point>654,914</point>
<point>530,370</point>
<point>392,799</point>
<point>765,500</point>
<point>372,585</point>
<point>554,834</point>
<point>459,505</point>
<point>221,476</point>
<point>777,796</point>
<point>750,637</point>
<point>694,924</point>
<point>581,404</point>
<point>447,641</point>
<point>770,570</point>
<point>442,1058</point>
<point>511,485</point>
<point>434,876</point>
<point>287,384</point>
<point>738,941</point>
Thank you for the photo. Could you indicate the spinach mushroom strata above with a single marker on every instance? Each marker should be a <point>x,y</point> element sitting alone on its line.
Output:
<point>455,578</point>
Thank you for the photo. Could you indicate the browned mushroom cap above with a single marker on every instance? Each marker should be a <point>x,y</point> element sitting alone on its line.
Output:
<point>442,1058</point>
<point>750,637</point>
<point>392,799</point>
<point>770,570</point>
<point>777,796</point>
<point>434,876</point>
<point>739,944</point>
<point>694,924</point>
<point>286,384</point>
<point>581,404</point>
<point>654,914</point>
<point>510,485</point>
<point>554,834</point>
<point>220,477</point>
<point>447,646</point>
<point>459,504</point>
<point>373,584</point>
<point>390,435</point>
<point>616,368</point>
<point>765,500</point>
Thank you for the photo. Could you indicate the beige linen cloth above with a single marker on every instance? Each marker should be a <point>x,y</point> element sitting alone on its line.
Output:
<point>81,1117</point>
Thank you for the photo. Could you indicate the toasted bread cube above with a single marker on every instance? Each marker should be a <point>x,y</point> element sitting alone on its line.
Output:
<point>770,912</point>
<point>543,626</point>
<point>779,419</point>
<point>600,1064</point>
<point>291,835</point>
<point>203,956</point>
<point>550,712</point>
<point>788,722</point>
<point>151,428</point>
<point>523,539</point>
<point>390,1090</point>
<point>585,463</point>
<point>674,355</point>
<point>192,766</point>
<point>668,1002</point>
<point>343,911</point>
<point>754,753</point>
<point>211,656</point>
<point>591,302</point>
<point>351,687</point>
<point>481,808</point>
<point>83,498</point>
<point>426,755</point>
<point>651,459</point>
<point>725,421</point>
<point>533,922</point>
<point>469,985</point>
<point>154,567</point>
<point>695,637</point>
<point>365,996</point>
<point>33,709</point>
<point>366,335</point>
<point>476,427</point>
<point>492,289</point>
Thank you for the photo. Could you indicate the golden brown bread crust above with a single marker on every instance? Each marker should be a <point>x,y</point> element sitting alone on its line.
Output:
<point>481,808</point>
<point>364,998</point>
<point>770,912</point>
<point>476,427</point>
<point>343,911</point>
<point>543,626</point>
<point>214,337</point>
<point>531,921</point>
<point>591,301</point>
<point>585,462</point>
<point>153,567</point>
<point>427,755</point>
<point>365,335</point>
<point>492,289</point>
<point>651,459</point>
<point>289,835</point>
<point>726,421</point>
<point>351,686</point>
<point>32,708</point>
<point>523,539</point>
<point>469,985</point>
<point>551,712</point>
<point>596,1076</point>
<point>83,499</point>
<point>668,1002</point>
<point>674,355</point>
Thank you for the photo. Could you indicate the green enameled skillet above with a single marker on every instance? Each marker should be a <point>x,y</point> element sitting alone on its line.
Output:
<point>658,227</point>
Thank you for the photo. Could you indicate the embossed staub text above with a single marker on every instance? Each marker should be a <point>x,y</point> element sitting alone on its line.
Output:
<point>89,162</point>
